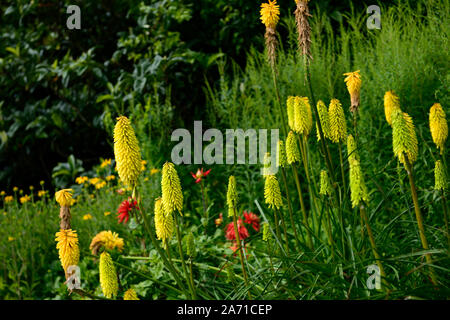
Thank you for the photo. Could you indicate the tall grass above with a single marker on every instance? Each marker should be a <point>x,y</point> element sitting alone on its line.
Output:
<point>407,55</point>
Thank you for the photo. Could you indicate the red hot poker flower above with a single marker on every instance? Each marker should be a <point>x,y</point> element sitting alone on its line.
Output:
<point>242,230</point>
<point>200,174</point>
<point>123,213</point>
<point>252,219</point>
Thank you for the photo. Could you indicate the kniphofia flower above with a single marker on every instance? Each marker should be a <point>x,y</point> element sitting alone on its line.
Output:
<point>325,185</point>
<point>64,197</point>
<point>232,197</point>
<point>353,82</point>
<point>163,223</point>
<point>440,179</point>
<point>172,196</point>
<point>302,116</point>
<point>324,120</point>
<point>108,276</point>
<point>270,14</point>
<point>200,175</point>
<point>281,154</point>
<point>290,111</point>
<point>358,189</point>
<point>126,152</point>
<point>391,102</point>
<point>404,139</point>
<point>266,232</point>
<point>338,126</point>
<point>438,126</point>
<point>272,193</point>
<point>130,294</point>
<point>292,152</point>
<point>68,250</point>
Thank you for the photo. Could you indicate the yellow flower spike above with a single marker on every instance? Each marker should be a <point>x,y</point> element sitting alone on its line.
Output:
<point>272,193</point>
<point>404,139</point>
<point>353,82</point>
<point>358,189</point>
<point>64,197</point>
<point>292,152</point>
<point>267,165</point>
<point>338,125</point>
<point>325,186</point>
<point>130,294</point>
<point>126,152</point>
<point>290,111</point>
<point>232,198</point>
<point>270,14</point>
<point>108,276</point>
<point>352,151</point>
<point>324,120</point>
<point>438,126</point>
<point>87,216</point>
<point>391,102</point>
<point>302,116</point>
<point>163,223</point>
<point>267,236</point>
<point>9,199</point>
<point>191,250</point>
<point>172,196</point>
<point>440,179</point>
<point>108,240</point>
<point>281,154</point>
<point>68,250</point>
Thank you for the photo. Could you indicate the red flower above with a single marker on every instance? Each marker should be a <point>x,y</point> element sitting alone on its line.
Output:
<point>252,219</point>
<point>243,232</point>
<point>123,213</point>
<point>200,174</point>
<point>219,221</point>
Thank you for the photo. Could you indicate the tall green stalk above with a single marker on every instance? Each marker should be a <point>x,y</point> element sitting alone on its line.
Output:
<point>291,215</point>
<point>362,210</point>
<point>302,205</point>
<point>241,253</point>
<point>183,263</point>
<point>419,217</point>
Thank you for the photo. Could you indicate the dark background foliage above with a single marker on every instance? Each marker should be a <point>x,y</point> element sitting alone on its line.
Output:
<point>61,89</point>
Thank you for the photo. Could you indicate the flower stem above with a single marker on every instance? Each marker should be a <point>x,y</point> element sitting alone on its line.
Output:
<point>419,217</point>
<point>277,92</point>
<point>241,253</point>
<point>302,205</point>
<point>444,206</point>
<point>205,214</point>
<point>342,167</point>
<point>284,229</point>
<point>291,215</point>
<point>183,263</point>
<point>362,210</point>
